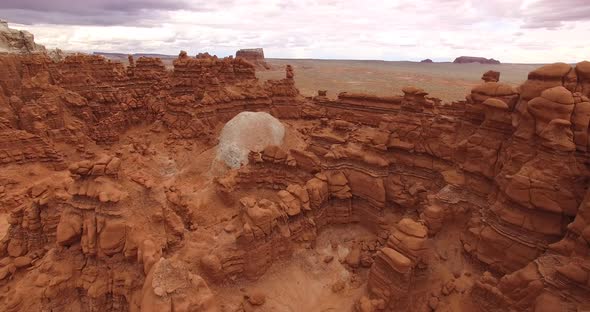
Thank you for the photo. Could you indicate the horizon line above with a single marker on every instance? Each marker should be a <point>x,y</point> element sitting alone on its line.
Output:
<point>329,59</point>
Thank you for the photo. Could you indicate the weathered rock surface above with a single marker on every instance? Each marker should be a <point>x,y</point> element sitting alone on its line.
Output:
<point>491,76</point>
<point>17,41</point>
<point>254,56</point>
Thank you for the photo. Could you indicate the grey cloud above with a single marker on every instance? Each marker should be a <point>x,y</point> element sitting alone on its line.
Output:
<point>91,6</point>
<point>61,18</point>
<point>540,23</point>
<point>97,12</point>
<point>552,14</point>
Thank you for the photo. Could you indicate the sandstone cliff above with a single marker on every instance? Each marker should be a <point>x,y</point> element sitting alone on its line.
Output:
<point>254,56</point>
<point>17,41</point>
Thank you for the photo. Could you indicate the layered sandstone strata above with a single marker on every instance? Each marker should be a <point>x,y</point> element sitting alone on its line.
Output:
<point>105,98</point>
<point>392,274</point>
<point>18,146</point>
<point>500,176</point>
<point>83,217</point>
<point>254,56</point>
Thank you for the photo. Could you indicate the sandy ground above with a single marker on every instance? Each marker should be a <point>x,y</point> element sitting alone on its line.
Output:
<point>304,283</point>
<point>447,81</point>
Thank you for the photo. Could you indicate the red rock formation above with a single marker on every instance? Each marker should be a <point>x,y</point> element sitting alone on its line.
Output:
<point>254,56</point>
<point>286,100</point>
<point>92,232</point>
<point>170,286</point>
<point>491,76</point>
<point>93,90</point>
<point>99,92</point>
<point>392,274</point>
<point>499,180</point>
<point>415,100</point>
<point>18,146</point>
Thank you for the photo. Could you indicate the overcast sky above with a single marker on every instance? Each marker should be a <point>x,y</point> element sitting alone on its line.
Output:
<point>523,31</point>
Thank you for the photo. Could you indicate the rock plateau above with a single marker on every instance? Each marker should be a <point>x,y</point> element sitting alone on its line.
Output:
<point>475,59</point>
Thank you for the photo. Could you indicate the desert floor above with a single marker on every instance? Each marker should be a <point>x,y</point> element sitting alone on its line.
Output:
<point>447,81</point>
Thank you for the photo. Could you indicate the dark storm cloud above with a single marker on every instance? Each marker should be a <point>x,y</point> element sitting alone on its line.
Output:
<point>553,13</point>
<point>88,6</point>
<point>97,12</point>
<point>87,18</point>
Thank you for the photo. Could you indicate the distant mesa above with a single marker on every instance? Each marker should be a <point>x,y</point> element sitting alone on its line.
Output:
<point>251,54</point>
<point>426,61</point>
<point>475,59</point>
<point>254,56</point>
<point>114,55</point>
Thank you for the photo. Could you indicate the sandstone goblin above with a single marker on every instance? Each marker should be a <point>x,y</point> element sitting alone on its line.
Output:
<point>475,59</point>
<point>115,200</point>
<point>491,76</point>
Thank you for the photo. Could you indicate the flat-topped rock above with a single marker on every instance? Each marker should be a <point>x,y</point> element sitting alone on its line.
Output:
<point>413,90</point>
<point>398,261</point>
<point>412,228</point>
<point>254,56</point>
<point>491,76</point>
<point>475,59</point>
